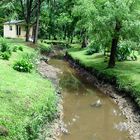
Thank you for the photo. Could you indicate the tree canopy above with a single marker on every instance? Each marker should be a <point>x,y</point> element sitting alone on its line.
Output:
<point>107,24</point>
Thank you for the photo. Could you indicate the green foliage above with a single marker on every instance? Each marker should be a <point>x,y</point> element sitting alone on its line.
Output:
<point>25,64</point>
<point>45,48</point>
<point>20,48</point>
<point>126,51</point>
<point>15,48</point>
<point>5,55</point>
<point>46,113</point>
<point>93,48</point>
<point>4,47</point>
<point>5,51</point>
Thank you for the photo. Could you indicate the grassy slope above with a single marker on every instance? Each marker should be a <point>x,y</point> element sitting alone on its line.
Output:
<point>126,73</point>
<point>26,99</point>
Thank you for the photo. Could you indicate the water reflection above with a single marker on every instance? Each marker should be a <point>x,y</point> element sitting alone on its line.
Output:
<point>88,114</point>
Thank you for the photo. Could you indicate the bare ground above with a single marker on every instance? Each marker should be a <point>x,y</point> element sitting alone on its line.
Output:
<point>52,130</point>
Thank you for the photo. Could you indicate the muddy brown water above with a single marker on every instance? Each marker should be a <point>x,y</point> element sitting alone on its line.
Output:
<point>83,118</point>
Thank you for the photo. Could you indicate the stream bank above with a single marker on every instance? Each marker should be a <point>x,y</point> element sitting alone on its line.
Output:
<point>125,103</point>
<point>51,131</point>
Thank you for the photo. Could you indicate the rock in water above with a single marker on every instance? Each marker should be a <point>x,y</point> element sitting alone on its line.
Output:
<point>122,126</point>
<point>3,131</point>
<point>96,104</point>
<point>44,58</point>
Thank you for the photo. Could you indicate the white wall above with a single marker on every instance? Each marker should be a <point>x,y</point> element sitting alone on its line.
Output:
<point>23,32</point>
<point>13,33</point>
<point>8,32</point>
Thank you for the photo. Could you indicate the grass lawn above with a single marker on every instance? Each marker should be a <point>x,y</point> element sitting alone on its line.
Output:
<point>26,99</point>
<point>127,74</point>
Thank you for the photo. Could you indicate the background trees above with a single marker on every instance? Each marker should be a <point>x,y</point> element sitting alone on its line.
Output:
<point>110,25</point>
<point>115,17</point>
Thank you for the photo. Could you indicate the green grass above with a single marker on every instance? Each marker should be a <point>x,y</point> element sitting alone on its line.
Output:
<point>26,99</point>
<point>127,73</point>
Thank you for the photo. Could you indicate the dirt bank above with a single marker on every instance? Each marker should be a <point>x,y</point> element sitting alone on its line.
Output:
<point>128,107</point>
<point>52,130</point>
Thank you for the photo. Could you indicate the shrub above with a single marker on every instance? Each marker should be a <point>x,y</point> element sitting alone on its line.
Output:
<point>93,48</point>
<point>45,48</point>
<point>4,47</point>
<point>5,55</point>
<point>15,49</point>
<point>20,48</point>
<point>126,51</point>
<point>30,57</point>
<point>23,65</point>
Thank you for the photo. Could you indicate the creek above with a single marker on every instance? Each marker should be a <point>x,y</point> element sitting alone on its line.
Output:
<point>88,113</point>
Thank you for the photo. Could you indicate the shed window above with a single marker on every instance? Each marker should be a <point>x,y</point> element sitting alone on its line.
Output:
<point>10,28</point>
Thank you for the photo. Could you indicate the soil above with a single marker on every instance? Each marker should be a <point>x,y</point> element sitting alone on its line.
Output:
<point>52,130</point>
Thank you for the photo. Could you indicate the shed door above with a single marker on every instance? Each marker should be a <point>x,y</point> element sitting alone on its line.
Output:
<point>18,30</point>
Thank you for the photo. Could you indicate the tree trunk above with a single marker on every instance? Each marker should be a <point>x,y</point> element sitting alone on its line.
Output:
<point>37,22</point>
<point>36,31</point>
<point>65,32</point>
<point>72,36</point>
<point>84,42</point>
<point>115,41</point>
<point>27,32</point>
<point>71,41</point>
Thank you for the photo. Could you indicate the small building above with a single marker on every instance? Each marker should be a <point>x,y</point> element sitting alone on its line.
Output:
<point>16,29</point>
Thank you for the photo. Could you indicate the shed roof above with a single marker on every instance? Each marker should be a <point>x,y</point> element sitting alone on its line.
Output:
<point>15,22</point>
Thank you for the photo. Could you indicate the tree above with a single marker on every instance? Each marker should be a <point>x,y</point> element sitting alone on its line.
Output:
<point>84,10</point>
<point>7,7</point>
<point>27,8</point>
<point>115,41</point>
<point>110,20</point>
<point>38,3</point>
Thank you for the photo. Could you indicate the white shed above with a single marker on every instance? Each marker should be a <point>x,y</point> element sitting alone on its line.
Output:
<point>16,29</point>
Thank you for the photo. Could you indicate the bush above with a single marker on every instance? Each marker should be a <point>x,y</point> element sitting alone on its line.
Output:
<point>126,51</point>
<point>45,48</point>
<point>93,48</point>
<point>32,57</point>
<point>15,49</point>
<point>20,48</point>
<point>5,55</point>
<point>4,47</point>
<point>23,65</point>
